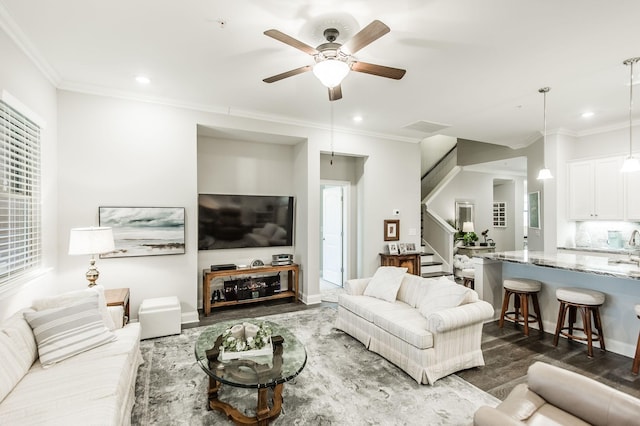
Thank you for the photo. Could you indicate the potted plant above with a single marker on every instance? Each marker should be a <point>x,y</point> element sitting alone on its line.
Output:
<point>485,234</point>
<point>470,238</point>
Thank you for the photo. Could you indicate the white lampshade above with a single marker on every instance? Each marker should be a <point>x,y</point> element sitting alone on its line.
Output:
<point>467,227</point>
<point>331,72</point>
<point>631,164</point>
<point>545,174</point>
<point>91,241</point>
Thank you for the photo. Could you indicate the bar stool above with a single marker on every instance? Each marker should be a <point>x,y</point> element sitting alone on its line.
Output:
<point>588,302</point>
<point>636,359</point>
<point>468,277</point>
<point>522,290</point>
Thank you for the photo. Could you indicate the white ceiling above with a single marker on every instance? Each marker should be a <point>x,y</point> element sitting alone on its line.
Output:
<point>475,66</point>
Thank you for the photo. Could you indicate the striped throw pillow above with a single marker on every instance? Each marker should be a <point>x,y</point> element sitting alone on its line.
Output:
<point>64,332</point>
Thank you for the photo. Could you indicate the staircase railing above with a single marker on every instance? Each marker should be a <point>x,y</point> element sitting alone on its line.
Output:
<point>439,234</point>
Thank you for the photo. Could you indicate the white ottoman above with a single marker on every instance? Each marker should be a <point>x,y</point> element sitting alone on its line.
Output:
<point>159,317</point>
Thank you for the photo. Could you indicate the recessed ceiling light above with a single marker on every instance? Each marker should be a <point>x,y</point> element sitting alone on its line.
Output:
<point>357,118</point>
<point>587,114</point>
<point>142,79</point>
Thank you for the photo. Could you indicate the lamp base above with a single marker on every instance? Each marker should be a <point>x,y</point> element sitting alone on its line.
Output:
<point>92,274</point>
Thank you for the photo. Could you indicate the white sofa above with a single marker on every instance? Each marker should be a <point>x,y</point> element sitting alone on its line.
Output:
<point>93,387</point>
<point>428,327</point>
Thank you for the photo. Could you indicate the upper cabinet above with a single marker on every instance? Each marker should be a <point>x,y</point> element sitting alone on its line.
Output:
<point>596,190</point>
<point>632,196</point>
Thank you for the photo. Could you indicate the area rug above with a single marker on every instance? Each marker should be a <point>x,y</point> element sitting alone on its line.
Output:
<point>342,384</point>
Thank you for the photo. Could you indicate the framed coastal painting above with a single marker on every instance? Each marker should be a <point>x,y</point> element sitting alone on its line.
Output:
<point>144,231</point>
<point>534,209</point>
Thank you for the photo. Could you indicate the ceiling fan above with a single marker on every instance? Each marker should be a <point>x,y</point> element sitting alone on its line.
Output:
<point>333,61</point>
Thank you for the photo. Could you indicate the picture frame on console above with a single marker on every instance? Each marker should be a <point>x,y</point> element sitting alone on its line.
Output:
<point>411,247</point>
<point>402,248</point>
<point>391,230</point>
<point>393,248</point>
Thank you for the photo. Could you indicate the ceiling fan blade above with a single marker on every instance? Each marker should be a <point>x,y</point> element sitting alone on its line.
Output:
<point>379,70</point>
<point>335,93</point>
<point>290,73</point>
<point>280,36</point>
<point>365,36</point>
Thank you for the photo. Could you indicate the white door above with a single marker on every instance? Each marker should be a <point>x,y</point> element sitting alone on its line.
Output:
<point>332,234</point>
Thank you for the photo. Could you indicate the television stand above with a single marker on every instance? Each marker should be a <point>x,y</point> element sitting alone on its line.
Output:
<point>290,292</point>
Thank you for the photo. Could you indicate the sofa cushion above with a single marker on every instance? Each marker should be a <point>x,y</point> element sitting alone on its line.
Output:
<point>18,351</point>
<point>385,283</point>
<point>411,289</point>
<point>405,323</point>
<point>71,297</point>
<point>363,306</point>
<point>64,332</point>
<point>442,294</point>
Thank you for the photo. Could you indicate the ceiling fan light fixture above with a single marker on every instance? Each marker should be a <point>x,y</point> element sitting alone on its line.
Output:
<point>331,72</point>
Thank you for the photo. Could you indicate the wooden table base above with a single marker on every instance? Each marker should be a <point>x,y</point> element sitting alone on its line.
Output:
<point>264,413</point>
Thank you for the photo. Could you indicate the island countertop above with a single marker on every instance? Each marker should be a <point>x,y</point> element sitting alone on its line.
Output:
<point>609,266</point>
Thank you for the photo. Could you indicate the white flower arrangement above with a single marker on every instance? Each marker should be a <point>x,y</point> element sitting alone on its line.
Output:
<point>246,337</point>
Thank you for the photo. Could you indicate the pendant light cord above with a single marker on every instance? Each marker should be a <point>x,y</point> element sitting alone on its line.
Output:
<point>631,109</point>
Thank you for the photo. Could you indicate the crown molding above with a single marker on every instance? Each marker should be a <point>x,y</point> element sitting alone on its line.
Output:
<point>121,94</point>
<point>16,34</point>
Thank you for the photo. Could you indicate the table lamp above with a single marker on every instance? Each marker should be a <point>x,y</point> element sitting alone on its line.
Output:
<point>467,227</point>
<point>91,241</point>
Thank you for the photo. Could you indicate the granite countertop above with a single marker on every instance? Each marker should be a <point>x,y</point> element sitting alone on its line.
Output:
<point>573,262</point>
<point>606,250</point>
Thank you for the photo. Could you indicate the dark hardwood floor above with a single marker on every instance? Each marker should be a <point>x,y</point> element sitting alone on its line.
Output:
<point>507,352</point>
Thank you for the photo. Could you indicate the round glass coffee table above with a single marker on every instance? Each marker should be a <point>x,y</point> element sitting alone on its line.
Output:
<point>266,374</point>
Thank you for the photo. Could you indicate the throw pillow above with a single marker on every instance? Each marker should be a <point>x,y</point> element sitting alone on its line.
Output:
<point>441,294</point>
<point>65,332</point>
<point>72,297</point>
<point>385,283</point>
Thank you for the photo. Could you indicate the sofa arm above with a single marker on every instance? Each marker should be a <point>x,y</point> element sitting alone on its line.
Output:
<point>489,416</point>
<point>460,316</point>
<point>355,287</point>
<point>595,403</point>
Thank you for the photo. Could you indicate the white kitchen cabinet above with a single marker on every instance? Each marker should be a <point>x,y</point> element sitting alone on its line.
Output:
<point>632,196</point>
<point>595,189</point>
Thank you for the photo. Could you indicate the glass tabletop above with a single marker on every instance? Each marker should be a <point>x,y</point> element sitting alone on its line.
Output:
<point>287,361</point>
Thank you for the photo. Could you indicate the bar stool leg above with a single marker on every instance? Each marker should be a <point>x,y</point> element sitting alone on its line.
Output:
<point>561,314</point>
<point>586,319</point>
<point>572,320</point>
<point>598,322</point>
<point>636,359</point>
<point>524,303</point>
<point>536,309</point>
<point>505,306</point>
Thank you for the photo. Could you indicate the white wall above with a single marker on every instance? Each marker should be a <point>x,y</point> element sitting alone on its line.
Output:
<point>22,79</point>
<point>505,238</point>
<point>145,154</point>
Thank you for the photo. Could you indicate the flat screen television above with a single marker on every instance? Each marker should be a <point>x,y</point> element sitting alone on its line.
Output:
<point>237,221</point>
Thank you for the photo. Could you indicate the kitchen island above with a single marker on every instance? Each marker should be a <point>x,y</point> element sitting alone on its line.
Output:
<point>615,276</point>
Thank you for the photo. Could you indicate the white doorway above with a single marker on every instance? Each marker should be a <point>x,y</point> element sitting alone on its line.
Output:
<point>333,232</point>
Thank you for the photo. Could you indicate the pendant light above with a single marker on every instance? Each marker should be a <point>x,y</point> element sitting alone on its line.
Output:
<point>544,172</point>
<point>631,164</point>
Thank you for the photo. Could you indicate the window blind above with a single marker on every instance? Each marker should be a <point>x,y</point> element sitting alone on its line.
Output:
<point>20,224</point>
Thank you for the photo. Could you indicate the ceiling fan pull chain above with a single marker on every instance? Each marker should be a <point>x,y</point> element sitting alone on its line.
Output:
<point>331,113</point>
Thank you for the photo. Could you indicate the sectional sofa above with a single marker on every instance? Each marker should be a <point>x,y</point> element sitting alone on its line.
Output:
<point>65,361</point>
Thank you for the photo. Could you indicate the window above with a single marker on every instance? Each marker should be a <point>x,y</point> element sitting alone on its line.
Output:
<point>20,228</point>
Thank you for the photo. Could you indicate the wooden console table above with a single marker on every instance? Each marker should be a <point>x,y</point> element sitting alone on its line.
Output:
<point>291,291</point>
<point>411,261</point>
